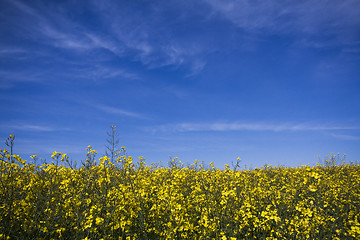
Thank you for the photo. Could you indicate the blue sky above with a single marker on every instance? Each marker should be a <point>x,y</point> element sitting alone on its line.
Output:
<point>271,82</point>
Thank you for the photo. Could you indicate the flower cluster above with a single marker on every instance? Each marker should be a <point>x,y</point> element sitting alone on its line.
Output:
<point>132,200</point>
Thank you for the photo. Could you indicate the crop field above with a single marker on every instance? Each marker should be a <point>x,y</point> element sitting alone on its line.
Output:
<point>117,197</point>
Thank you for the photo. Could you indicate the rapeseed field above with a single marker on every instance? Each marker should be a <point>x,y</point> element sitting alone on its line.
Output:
<point>119,198</point>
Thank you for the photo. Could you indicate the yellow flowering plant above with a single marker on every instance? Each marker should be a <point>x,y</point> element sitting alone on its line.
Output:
<point>126,199</point>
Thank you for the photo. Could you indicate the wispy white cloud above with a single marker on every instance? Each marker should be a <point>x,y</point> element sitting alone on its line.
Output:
<point>100,72</point>
<point>57,30</point>
<point>345,136</point>
<point>246,14</point>
<point>114,110</point>
<point>23,7</point>
<point>196,67</point>
<point>127,32</point>
<point>335,19</point>
<point>143,35</point>
<point>146,38</point>
<point>9,77</point>
<point>64,39</point>
<point>108,44</point>
<point>13,50</point>
<point>34,127</point>
<point>95,71</point>
<point>237,126</point>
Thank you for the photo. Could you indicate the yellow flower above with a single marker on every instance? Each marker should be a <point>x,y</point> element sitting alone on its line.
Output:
<point>312,188</point>
<point>99,221</point>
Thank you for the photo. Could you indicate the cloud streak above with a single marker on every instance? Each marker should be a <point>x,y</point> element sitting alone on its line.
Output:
<point>118,111</point>
<point>126,33</point>
<point>35,128</point>
<point>101,72</point>
<point>147,39</point>
<point>129,32</point>
<point>345,137</point>
<point>58,31</point>
<point>334,19</point>
<point>9,78</point>
<point>237,126</point>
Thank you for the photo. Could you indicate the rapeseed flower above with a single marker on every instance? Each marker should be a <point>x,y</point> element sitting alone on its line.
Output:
<point>132,200</point>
